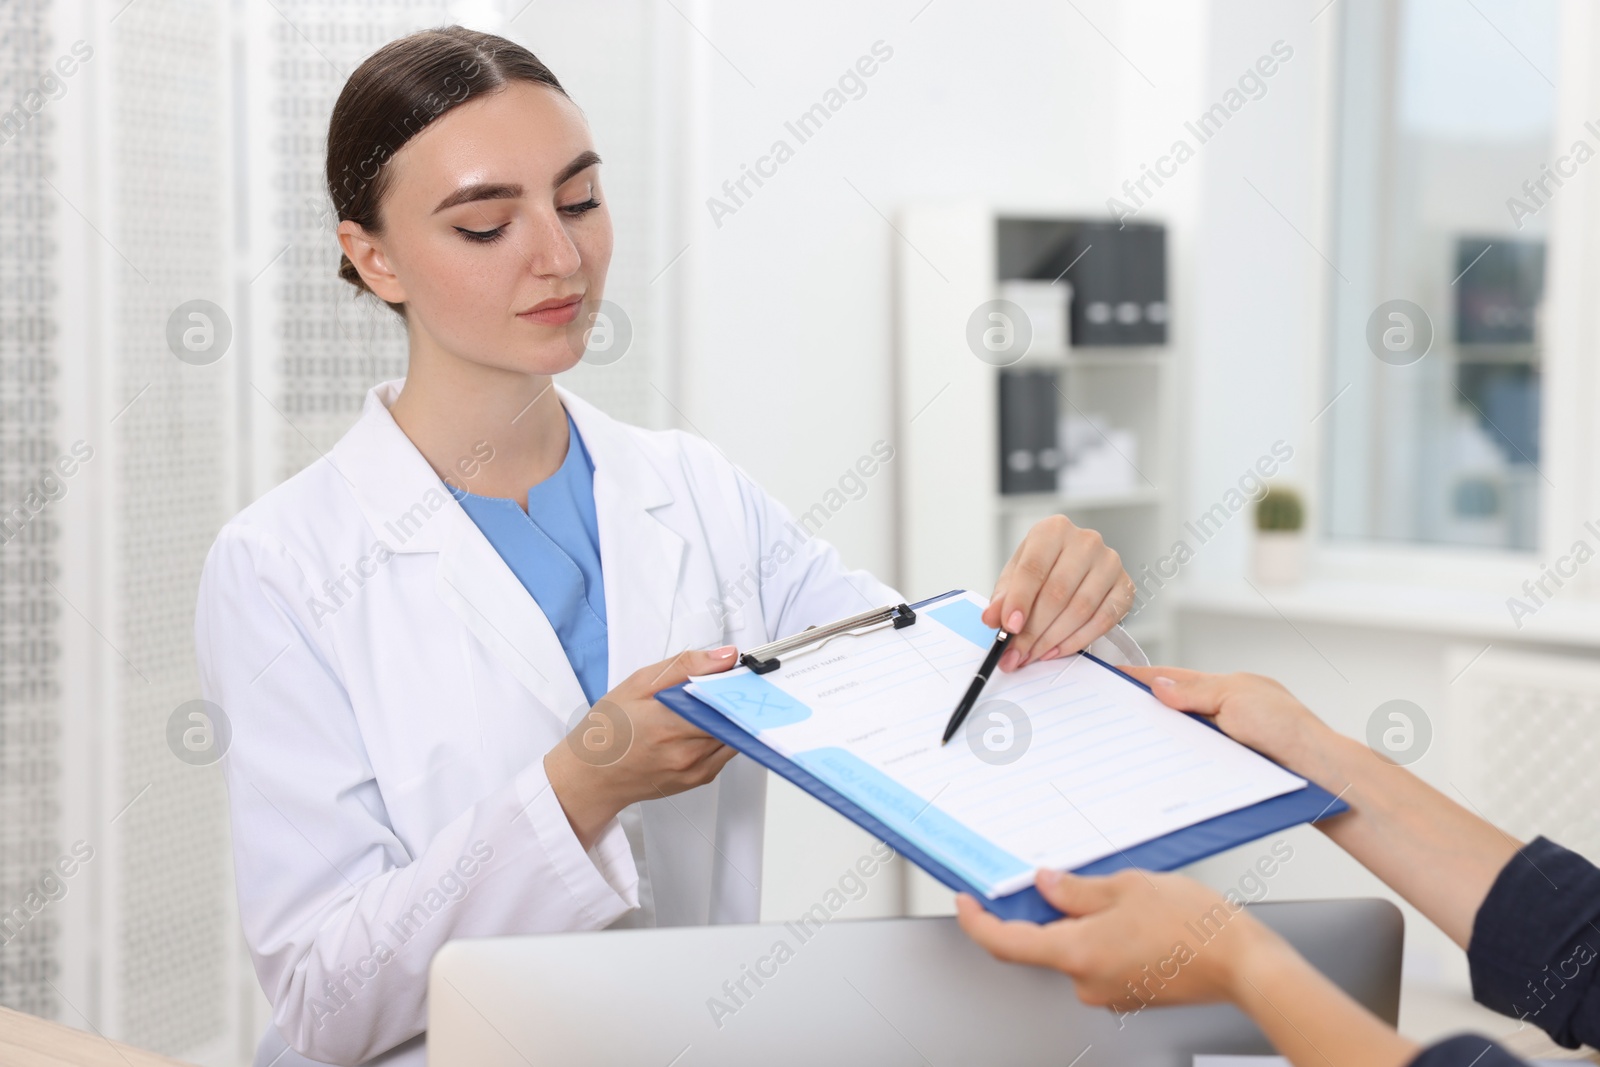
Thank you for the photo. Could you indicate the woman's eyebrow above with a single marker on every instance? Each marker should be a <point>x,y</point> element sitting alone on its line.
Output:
<point>581,162</point>
<point>479,191</point>
<point>510,191</point>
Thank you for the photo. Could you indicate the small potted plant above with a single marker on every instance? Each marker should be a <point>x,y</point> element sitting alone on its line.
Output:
<point>1280,551</point>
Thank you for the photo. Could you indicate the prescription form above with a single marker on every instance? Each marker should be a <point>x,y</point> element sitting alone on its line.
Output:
<point>1061,763</point>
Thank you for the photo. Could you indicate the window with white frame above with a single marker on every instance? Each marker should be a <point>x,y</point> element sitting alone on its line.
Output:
<point>1446,167</point>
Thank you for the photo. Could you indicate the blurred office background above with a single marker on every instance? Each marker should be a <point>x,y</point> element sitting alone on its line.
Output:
<point>1368,276</point>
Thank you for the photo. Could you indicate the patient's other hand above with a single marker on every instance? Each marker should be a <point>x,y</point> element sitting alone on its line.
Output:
<point>1249,708</point>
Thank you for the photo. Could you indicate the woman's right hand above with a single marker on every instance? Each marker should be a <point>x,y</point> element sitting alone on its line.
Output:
<point>1249,708</point>
<point>630,747</point>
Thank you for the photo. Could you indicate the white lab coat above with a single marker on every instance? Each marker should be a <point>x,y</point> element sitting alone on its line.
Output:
<point>392,688</point>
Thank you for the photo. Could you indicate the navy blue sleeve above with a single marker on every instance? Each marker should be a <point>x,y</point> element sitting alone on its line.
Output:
<point>1468,1050</point>
<point>1533,949</point>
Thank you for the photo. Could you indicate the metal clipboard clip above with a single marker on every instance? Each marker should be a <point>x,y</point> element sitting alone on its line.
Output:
<point>764,658</point>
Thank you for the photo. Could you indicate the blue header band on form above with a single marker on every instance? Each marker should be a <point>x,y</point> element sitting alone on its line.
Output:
<point>965,618</point>
<point>912,817</point>
<point>755,703</point>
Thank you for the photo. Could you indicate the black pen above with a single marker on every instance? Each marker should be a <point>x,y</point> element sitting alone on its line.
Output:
<point>976,687</point>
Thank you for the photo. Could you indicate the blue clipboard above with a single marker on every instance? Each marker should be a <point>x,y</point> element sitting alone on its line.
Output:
<point>1308,805</point>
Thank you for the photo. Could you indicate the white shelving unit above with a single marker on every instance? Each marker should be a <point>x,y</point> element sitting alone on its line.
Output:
<point>957,528</point>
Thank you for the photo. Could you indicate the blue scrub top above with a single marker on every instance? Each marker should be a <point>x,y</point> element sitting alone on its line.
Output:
<point>554,550</point>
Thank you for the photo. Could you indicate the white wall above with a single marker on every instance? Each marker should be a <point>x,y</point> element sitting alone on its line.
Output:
<point>1257,341</point>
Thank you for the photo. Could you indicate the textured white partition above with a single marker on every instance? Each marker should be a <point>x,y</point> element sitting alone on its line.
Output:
<point>114,210</point>
<point>181,160</point>
<point>314,346</point>
<point>30,634</point>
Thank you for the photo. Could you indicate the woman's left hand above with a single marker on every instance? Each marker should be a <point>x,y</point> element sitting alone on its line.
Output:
<point>1133,939</point>
<point>1062,588</point>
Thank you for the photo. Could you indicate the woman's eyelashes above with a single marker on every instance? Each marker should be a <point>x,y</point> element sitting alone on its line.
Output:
<point>484,237</point>
<point>481,237</point>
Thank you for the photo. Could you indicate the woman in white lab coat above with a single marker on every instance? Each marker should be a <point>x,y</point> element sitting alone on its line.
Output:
<point>403,682</point>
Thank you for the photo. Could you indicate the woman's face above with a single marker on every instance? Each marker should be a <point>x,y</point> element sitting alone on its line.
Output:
<point>494,232</point>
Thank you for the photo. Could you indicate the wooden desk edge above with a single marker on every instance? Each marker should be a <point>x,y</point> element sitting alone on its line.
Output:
<point>29,1041</point>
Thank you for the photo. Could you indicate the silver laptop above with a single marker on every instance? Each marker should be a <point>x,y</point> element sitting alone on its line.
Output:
<point>881,992</point>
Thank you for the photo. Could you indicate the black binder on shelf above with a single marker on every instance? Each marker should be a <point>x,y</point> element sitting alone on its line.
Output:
<point>1118,274</point>
<point>1029,453</point>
